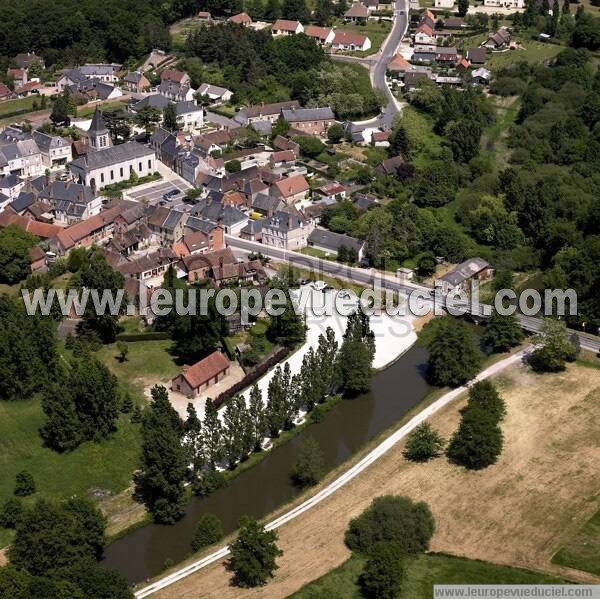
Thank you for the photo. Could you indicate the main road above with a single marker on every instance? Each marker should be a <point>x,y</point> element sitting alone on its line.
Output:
<point>379,68</point>
<point>369,276</point>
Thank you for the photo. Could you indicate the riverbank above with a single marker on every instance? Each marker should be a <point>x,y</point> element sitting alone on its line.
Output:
<point>531,496</point>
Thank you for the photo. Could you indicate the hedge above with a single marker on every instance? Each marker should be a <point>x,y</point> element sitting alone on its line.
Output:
<point>252,376</point>
<point>152,336</point>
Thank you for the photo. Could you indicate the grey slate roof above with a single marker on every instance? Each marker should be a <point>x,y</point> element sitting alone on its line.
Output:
<point>23,201</point>
<point>131,150</point>
<point>283,221</point>
<point>333,241</point>
<point>48,142</point>
<point>464,271</point>
<point>10,181</point>
<point>218,212</point>
<point>266,203</point>
<point>308,114</point>
<point>254,227</point>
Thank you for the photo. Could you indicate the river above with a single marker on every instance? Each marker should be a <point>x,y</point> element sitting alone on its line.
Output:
<point>260,490</point>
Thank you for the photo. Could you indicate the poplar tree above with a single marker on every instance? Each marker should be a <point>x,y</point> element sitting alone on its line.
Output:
<point>193,440</point>
<point>213,435</point>
<point>256,417</point>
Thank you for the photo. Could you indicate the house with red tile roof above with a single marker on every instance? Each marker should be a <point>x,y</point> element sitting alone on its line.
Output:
<point>41,230</point>
<point>290,189</point>
<point>357,12</point>
<point>424,34</point>
<point>347,40</point>
<point>286,27</point>
<point>241,18</point>
<point>323,35</point>
<point>202,375</point>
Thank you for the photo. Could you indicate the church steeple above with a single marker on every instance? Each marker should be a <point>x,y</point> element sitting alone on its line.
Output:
<point>98,134</point>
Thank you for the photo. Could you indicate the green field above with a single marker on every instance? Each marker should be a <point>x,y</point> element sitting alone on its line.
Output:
<point>421,573</point>
<point>582,552</point>
<point>22,105</point>
<point>533,52</point>
<point>374,30</point>
<point>425,142</point>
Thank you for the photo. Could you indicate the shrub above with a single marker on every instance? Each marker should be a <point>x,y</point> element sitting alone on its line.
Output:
<point>11,513</point>
<point>383,572</point>
<point>423,444</point>
<point>207,532</point>
<point>308,470</point>
<point>484,395</point>
<point>24,484</point>
<point>209,483</point>
<point>392,518</point>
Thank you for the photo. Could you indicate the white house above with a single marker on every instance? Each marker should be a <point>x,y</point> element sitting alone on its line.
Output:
<point>215,93</point>
<point>56,151</point>
<point>190,116</point>
<point>22,158</point>
<point>322,35</point>
<point>285,27</point>
<point>347,40</point>
<point>444,3</point>
<point>114,164</point>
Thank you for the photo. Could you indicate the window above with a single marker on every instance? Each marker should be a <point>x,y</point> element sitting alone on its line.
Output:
<point>121,172</point>
<point>101,177</point>
<point>112,175</point>
<point>140,167</point>
<point>149,164</point>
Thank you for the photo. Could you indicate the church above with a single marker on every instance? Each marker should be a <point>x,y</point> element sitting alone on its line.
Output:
<point>106,164</point>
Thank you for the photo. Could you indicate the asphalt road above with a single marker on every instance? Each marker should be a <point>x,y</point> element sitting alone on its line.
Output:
<point>388,49</point>
<point>154,193</point>
<point>370,276</point>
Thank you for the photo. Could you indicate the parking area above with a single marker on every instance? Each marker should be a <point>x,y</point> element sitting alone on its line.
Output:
<point>155,192</point>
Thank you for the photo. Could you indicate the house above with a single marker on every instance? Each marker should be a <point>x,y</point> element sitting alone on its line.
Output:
<point>498,40</point>
<point>69,78</point>
<point>37,257</point>
<point>330,192</point>
<point>448,80</point>
<point>481,76</point>
<point>204,15</point>
<point>215,141</point>
<point>282,158</point>
<point>328,241</point>
<point>19,76</point>
<point>372,5</point>
<point>515,4</point>
<point>405,274</point>
<point>267,205</point>
<point>239,273</point>
<point>463,64</point>
<point>217,213</point>
<point>365,202</point>
<point>412,79</point>
<point>71,202</point>
<point>346,40</point>
<point>444,3</point>
<point>454,23</point>
<point>286,230</point>
<point>11,185</point>
<point>283,143</point>
<point>22,158</point>
<point>322,35</point>
<point>314,121</point>
<point>44,231</point>
<point>91,88</point>
<point>445,54</point>
<point>390,166</point>
<point>399,65</point>
<point>25,60</point>
<point>290,189</point>
<point>56,151</point>
<point>263,112</point>
<point>286,27</point>
<point>107,73</point>
<point>24,90</point>
<point>199,377</point>
<point>252,231</point>
<point>5,92</point>
<point>356,13</point>
<point>476,55</point>
<point>136,81</point>
<point>199,242</point>
<point>168,225</point>
<point>424,34</point>
<point>176,86</point>
<point>380,139</point>
<point>199,266</point>
<point>241,18</point>
<point>148,266</point>
<point>114,164</point>
<point>458,278</point>
<point>214,93</point>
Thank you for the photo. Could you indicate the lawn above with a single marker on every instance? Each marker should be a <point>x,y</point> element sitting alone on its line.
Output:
<point>494,137</point>
<point>421,573</point>
<point>532,52</point>
<point>22,105</point>
<point>83,111</point>
<point>105,466</point>
<point>582,552</point>
<point>317,253</point>
<point>376,31</point>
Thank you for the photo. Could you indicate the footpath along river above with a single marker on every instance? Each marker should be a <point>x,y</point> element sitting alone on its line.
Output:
<point>350,424</point>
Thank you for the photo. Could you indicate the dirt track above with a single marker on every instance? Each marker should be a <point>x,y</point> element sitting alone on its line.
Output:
<point>518,512</point>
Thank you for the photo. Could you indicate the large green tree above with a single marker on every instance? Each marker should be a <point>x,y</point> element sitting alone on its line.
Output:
<point>15,244</point>
<point>502,332</point>
<point>254,554</point>
<point>355,358</point>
